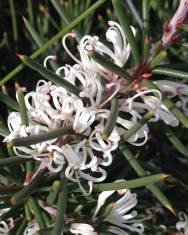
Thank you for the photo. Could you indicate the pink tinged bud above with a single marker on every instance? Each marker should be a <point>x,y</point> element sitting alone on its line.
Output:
<point>45,89</point>
<point>175,38</point>
<point>123,82</point>
<point>108,146</point>
<point>179,90</point>
<point>111,23</point>
<point>146,75</point>
<point>121,191</point>
<point>50,57</point>
<point>178,18</point>
<point>72,34</point>
<point>24,89</point>
<point>90,183</point>
<point>47,98</point>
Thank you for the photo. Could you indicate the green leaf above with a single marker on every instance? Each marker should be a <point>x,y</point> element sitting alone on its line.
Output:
<point>111,121</point>
<point>30,11</point>
<point>8,190</point>
<point>28,213</point>
<point>157,59</point>
<point>61,11</point>
<point>37,212</point>
<point>146,24</point>
<point>22,227</point>
<point>22,106</point>
<point>33,32</point>
<point>141,172</point>
<point>175,141</point>
<point>54,39</point>
<point>48,74</point>
<point>14,20</point>
<point>12,161</point>
<point>56,186</point>
<point>136,183</point>
<point>29,140</point>
<point>61,207</point>
<point>109,65</point>
<point>4,131</point>
<point>170,72</point>
<point>25,121</point>
<point>27,190</point>
<point>9,101</point>
<point>137,126</point>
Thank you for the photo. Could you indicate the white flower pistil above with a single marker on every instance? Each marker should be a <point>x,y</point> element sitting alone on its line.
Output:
<point>50,57</point>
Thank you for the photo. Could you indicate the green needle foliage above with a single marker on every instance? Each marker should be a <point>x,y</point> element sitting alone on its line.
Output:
<point>61,205</point>
<point>54,39</point>
<point>62,144</point>
<point>48,74</point>
<point>124,21</point>
<point>141,172</point>
<point>110,124</point>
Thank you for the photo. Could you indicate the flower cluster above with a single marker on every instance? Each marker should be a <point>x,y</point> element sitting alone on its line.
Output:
<point>87,151</point>
<point>118,217</point>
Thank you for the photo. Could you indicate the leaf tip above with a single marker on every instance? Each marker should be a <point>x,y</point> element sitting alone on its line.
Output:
<point>20,56</point>
<point>24,19</point>
<point>170,208</point>
<point>17,87</point>
<point>13,201</point>
<point>164,176</point>
<point>164,53</point>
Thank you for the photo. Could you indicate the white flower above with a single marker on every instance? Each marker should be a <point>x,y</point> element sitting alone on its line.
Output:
<point>83,119</point>
<point>40,109</point>
<point>4,228</point>
<point>4,210</point>
<point>154,104</point>
<point>51,107</point>
<point>32,228</point>
<point>15,126</point>
<point>116,36</point>
<point>119,216</point>
<point>35,150</point>
<point>82,229</point>
<point>57,160</point>
<point>172,89</point>
<point>98,143</point>
<point>80,158</point>
<point>182,224</point>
